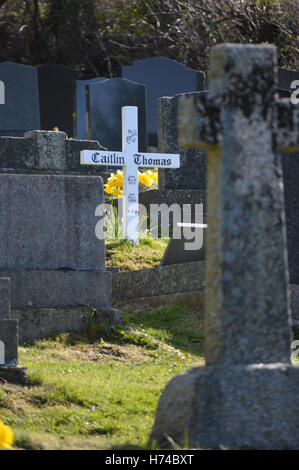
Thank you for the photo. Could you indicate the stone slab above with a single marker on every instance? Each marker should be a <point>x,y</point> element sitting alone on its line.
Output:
<point>295,301</point>
<point>252,406</point>
<point>20,111</point>
<point>16,375</point>
<point>9,336</point>
<point>39,322</point>
<point>162,77</point>
<point>106,99</point>
<point>55,83</point>
<point>176,252</point>
<point>162,280</point>
<point>192,171</point>
<point>80,115</point>
<point>59,288</point>
<point>48,222</point>
<point>4,298</point>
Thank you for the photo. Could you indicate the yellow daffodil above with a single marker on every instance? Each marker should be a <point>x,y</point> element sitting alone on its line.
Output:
<point>6,436</point>
<point>114,183</point>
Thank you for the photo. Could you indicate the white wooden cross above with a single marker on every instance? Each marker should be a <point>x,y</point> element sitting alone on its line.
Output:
<point>130,160</point>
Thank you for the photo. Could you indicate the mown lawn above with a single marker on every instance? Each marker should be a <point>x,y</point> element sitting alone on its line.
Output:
<point>99,389</point>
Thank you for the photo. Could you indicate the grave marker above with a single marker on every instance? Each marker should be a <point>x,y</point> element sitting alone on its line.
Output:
<point>19,110</point>
<point>56,99</point>
<point>105,99</point>
<point>162,77</point>
<point>130,159</point>
<point>80,116</point>
<point>9,369</point>
<point>247,394</point>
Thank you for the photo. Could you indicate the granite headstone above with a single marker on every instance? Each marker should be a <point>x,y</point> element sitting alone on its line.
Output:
<point>105,102</point>
<point>56,98</point>
<point>163,77</point>
<point>80,115</point>
<point>19,111</point>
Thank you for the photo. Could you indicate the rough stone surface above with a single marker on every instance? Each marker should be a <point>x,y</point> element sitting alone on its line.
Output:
<point>16,375</point>
<point>192,171</point>
<point>50,152</point>
<point>247,395</point>
<point>4,298</point>
<point>9,336</point>
<point>158,281</point>
<point>59,288</point>
<point>37,323</point>
<point>253,406</point>
<point>48,222</point>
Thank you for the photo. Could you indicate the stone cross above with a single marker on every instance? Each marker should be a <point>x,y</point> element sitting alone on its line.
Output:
<point>130,160</point>
<point>247,395</point>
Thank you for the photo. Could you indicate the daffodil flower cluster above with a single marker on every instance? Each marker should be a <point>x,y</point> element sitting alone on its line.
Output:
<point>114,184</point>
<point>6,436</point>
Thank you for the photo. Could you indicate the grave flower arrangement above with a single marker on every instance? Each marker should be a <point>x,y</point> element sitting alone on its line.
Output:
<point>114,189</point>
<point>114,186</point>
<point>6,436</point>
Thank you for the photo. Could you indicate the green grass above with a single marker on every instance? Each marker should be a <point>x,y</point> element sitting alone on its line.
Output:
<point>100,391</point>
<point>147,254</point>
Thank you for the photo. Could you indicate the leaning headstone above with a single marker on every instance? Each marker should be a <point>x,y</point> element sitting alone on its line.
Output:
<point>246,397</point>
<point>105,102</point>
<point>19,109</point>
<point>56,100</point>
<point>10,371</point>
<point>192,172</point>
<point>163,77</point>
<point>80,114</point>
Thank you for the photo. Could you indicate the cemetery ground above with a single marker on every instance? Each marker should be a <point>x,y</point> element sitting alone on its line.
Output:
<point>99,389</point>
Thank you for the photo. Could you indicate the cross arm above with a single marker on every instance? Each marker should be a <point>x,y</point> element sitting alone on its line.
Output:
<point>199,121</point>
<point>286,134</point>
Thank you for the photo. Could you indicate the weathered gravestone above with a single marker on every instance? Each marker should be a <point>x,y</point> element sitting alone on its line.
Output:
<point>9,369</point>
<point>192,172</point>
<point>80,115</point>
<point>56,99</point>
<point>106,99</point>
<point>49,247</point>
<point>247,394</point>
<point>19,110</point>
<point>163,77</point>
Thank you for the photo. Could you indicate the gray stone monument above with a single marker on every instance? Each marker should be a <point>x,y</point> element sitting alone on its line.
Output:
<point>192,172</point>
<point>163,77</point>
<point>19,109</point>
<point>49,247</point>
<point>106,99</point>
<point>56,98</point>
<point>10,371</point>
<point>80,115</point>
<point>246,397</point>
